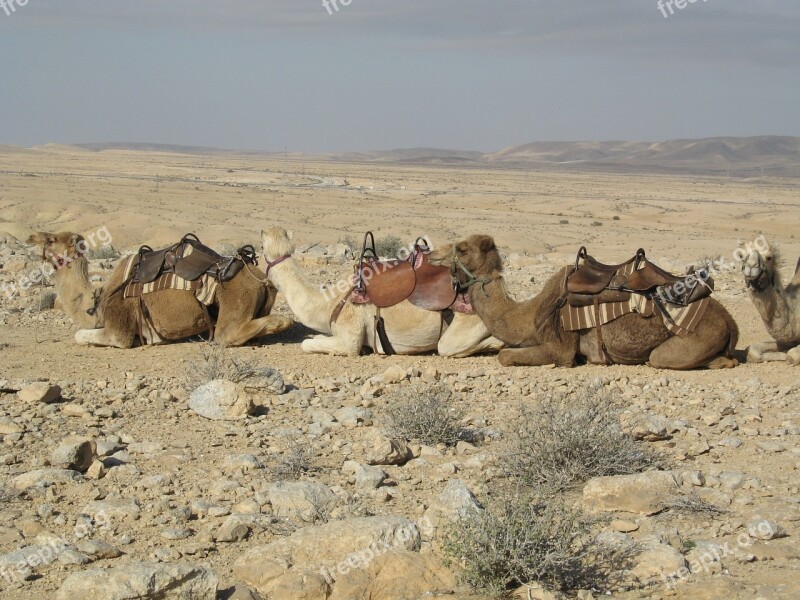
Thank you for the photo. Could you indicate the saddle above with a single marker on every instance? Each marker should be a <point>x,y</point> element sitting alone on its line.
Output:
<point>189,259</point>
<point>592,282</point>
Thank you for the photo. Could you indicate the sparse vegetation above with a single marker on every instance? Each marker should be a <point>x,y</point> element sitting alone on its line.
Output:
<point>296,459</point>
<point>520,538</point>
<point>562,442</point>
<point>426,415</point>
<point>216,362</point>
<point>693,504</point>
<point>387,247</point>
<point>107,252</point>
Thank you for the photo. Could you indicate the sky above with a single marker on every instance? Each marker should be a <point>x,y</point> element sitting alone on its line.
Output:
<point>381,74</point>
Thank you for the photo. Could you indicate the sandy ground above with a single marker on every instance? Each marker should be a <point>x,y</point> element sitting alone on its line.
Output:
<point>539,218</point>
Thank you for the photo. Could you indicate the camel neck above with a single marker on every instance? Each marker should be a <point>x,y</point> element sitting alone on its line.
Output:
<point>307,301</point>
<point>75,292</point>
<point>777,310</point>
<point>500,312</point>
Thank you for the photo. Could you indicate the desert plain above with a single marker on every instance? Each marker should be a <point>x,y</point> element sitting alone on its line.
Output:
<point>182,489</point>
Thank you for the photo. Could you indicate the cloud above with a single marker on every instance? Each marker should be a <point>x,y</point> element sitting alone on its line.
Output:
<point>762,32</point>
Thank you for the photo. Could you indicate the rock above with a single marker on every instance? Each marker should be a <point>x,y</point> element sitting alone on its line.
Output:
<point>74,453</point>
<point>394,374</point>
<point>113,509</point>
<point>763,529</point>
<point>385,451</point>
<point>140,581</point>
<point>623,526</point>
<point>240,592</point>
<point>44,478</point>
<point>369,478</point>
<point>657,563</point>
<point>98,549</point>
<point>299,586</point>
<point>232,530</point>
<point>398,575</point>
<point>351,417</point>
<point>97,470</point>
<point>455,502</point>
<point>642,493</point>
<point>731,480</point>
<point>40,391</point>
<point>301,501</point>
<point>266,380</point>
<point>325,546</point>
<point>221,400</point>
<point>9,427</point>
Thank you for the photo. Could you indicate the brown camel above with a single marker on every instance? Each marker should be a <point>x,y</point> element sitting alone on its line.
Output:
<point>242,305</point>
<point>541,340</point>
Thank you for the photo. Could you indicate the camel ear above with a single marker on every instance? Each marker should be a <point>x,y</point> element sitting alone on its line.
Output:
<point>487,244</point>
<point>39,238</point>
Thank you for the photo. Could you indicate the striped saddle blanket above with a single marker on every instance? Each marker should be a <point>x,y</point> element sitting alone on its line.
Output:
<point>679,320</point>
<point>204,287</point>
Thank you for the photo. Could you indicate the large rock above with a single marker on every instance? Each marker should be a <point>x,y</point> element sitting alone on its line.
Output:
<point>381,450</point>
<point>642,493</point>
<point>40,391</point>
<point>323,549</point>
<point>221,400</point>
<point>658,563</point>
<point>455,502</point>
<point>44,478</point>
<point>141,581</point>
<point>399,575</point>
<point>74,453</point>
<point>302,501</point>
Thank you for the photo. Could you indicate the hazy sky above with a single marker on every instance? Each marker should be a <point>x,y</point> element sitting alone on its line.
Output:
<point>380,74</point>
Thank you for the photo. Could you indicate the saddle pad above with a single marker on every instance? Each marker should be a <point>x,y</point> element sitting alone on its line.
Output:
<point>682,319</point>
<point>204,288</point>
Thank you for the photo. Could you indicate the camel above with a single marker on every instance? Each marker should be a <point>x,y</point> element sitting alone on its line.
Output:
<point>778,305</point>
<point>106,318</point>
<point>411,330</point>
<point>540,339</point>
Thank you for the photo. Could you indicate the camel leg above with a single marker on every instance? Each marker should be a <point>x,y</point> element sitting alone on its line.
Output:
<point>683,353</point>
<point>101,337</point>
<point>535,356</point>
<point>793,356</point>
<point>467,335</point>
<point>233,334</point>
<point>765,352</point>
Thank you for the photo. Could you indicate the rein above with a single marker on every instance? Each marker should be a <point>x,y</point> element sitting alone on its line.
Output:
<point>764,280</point>
<point>471,279</point>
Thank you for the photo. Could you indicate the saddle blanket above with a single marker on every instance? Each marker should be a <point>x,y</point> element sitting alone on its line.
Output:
<point>681,320</point>
<point>204,288</point>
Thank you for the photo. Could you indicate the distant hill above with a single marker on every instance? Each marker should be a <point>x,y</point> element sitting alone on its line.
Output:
<point>739,156</point>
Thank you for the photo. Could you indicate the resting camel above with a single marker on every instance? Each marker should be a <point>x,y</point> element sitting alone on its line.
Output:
<point>242,305</point>
<point>778,305</point>
<point>411,330</point>
<point>540,339</point>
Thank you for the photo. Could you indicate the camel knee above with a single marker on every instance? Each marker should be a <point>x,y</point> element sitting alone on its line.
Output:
<point>793,356</point>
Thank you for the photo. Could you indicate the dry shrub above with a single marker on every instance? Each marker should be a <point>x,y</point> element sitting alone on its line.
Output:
<point>425,415</point>
<point>560,442</point>
<point>216,362</point>
<point>297,458</point>
<point>520,538</point>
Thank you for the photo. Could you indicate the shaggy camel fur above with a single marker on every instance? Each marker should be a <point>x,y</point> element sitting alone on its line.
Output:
<point>778,305</point>
<point>541,340</point>
<point>411,330</point>
<point>242,304</point>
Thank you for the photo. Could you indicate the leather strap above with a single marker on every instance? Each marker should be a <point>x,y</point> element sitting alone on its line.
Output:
<point>600,345</point>
<point>380,332</point>
<point>340,306</point>
<point>275,263</point>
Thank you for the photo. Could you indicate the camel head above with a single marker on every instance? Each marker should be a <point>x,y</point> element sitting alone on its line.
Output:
<point>760,268</point>
<point>276,243</point>
<point>476,257</point>
<point>60,249</point>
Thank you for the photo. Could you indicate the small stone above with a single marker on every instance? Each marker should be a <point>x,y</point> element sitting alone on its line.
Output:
<point>764,529</point>
<point>624,526</point>
<point>232,530</point>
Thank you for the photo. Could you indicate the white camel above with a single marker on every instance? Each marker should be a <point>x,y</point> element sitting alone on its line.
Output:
<point>411,330</point>
<point>778,305</point>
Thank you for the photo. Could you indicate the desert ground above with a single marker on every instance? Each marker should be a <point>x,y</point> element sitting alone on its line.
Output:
<point>183,489</point>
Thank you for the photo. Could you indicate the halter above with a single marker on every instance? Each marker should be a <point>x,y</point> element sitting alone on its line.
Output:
<point>471,279</point>
<point>275,263</point>
<point>765,278</point>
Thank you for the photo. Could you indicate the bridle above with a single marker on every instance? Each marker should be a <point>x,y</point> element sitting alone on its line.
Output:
<point>274,263</point>
<point>463,286</point>
<point>764,280</point>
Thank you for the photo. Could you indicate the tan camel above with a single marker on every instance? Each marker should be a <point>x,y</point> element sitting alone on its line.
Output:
<point>242,304</point>
<point>778,305</point>
<point>541,340</point>
<point>410,330</point>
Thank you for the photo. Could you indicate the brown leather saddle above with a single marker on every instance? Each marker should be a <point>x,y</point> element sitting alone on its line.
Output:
<point>593,282</point>
<point>387,283</point>
<point>189,259</point>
